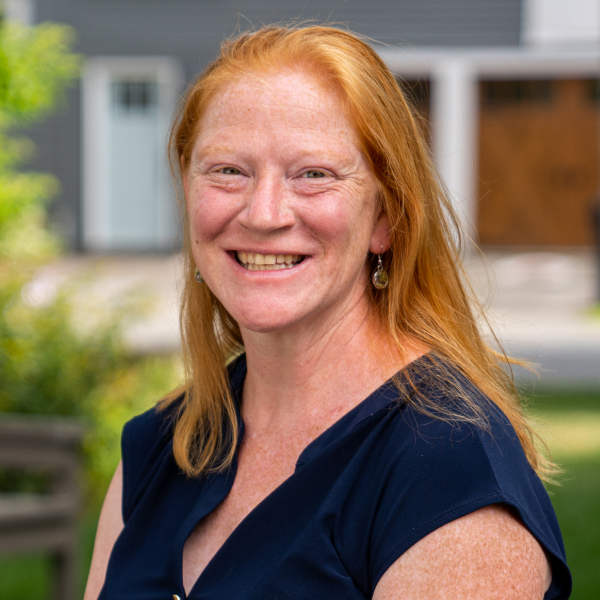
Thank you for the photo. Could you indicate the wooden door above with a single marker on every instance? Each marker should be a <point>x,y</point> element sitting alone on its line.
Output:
<point>538,162</point>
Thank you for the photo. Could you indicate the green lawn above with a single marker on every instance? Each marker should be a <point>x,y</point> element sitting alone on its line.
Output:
<point>572,429</point>
<point>29,577</point>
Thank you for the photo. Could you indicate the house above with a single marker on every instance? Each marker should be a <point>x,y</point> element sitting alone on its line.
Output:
<point>509,88</point>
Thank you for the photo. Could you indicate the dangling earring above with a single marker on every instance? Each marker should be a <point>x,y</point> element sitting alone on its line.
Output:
<point>198,276</point>
<point>380,278</point>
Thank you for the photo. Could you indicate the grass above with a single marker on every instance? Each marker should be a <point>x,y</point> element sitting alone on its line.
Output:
<point>25,576</point>
<point>571,426</point>
<point>29,576</point>
<point>577,505</point>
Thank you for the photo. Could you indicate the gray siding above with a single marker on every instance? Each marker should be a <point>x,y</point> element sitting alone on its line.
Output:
<point>191,30</point>
<point>58,152</point>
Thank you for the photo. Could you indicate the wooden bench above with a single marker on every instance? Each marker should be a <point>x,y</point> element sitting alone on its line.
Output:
<point>36,522</point>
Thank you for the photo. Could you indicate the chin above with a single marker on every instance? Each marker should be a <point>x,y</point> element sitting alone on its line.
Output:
<point>265,322</point>
<point>267,325</point>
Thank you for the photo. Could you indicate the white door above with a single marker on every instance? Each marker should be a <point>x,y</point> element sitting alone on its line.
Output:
<point>134,161</point>
<point>128,200</point>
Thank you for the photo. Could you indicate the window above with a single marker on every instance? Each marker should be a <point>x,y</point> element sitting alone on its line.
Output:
<point>498,94</point>
<point>134,96</point>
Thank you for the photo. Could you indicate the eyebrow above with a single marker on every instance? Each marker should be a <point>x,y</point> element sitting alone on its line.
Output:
<point>212,149</point>
<point>225,149</point>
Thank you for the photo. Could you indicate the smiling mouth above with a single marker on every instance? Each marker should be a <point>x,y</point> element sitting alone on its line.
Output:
<point>268,262</point>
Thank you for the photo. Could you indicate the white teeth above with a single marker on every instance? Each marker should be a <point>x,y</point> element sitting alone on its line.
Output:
<point>268,262</point>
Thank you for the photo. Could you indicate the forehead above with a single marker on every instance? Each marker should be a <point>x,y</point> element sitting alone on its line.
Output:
<point>295,102</point>
<point>287,87</point>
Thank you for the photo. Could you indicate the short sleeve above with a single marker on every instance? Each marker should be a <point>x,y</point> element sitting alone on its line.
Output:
<point>147,442</point>
<point>438,472</point>
<point>145,439</point>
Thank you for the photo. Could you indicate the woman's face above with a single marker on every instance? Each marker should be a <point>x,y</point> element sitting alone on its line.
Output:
<point>282,203</point>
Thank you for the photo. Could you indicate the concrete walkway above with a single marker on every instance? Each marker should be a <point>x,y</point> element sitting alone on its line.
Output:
<point>539,304</point>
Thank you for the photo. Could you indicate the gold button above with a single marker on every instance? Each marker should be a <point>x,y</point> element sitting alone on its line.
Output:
<point>176,597</point>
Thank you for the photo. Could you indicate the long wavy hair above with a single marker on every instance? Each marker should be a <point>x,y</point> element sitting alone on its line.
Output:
<point>428,297</point>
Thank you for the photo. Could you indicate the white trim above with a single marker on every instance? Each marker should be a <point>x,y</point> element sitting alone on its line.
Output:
<point>97,74</point>
<point>497,63</point>
<point>454,111</point>
<point>555,22</point>
<point>95,103</point>
<point>20,11</point>
<point>454,74</point>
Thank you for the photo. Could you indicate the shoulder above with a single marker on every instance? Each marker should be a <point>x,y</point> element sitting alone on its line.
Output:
<point>150,428</point>
<point>433,471</point>
<point>447,419</point>
<point>447,428</point>
<point>154,428</point>
<point>145,439</point>
<point>154,424</point>
<point>486,554</point>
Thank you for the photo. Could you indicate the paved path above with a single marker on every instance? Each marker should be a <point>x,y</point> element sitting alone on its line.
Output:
<point>539,304</point>
<point>104,283</point>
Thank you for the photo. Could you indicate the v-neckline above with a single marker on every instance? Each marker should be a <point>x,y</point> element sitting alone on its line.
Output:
<point>380,399</point>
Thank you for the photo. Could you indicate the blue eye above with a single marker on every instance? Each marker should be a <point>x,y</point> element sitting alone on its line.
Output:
<point>230,171</point>
<point>314,174</point>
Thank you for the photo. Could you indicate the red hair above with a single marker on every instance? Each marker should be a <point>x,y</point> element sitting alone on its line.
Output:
<point>427,298</point>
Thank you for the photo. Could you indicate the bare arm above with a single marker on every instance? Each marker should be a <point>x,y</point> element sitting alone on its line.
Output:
<point>109,528</point>
<point>486,555</point>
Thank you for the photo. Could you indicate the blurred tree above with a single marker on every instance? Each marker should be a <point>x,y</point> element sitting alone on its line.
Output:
<point>35,66</point>
<point>40,353</point>
<point>60,351</point>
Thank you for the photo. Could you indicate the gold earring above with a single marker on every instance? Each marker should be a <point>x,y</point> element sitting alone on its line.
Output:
<point>198,276</point>
<point>380,278</point>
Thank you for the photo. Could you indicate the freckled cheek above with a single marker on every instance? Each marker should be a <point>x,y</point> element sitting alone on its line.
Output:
<point>210,213</point>
<point>340,223</point>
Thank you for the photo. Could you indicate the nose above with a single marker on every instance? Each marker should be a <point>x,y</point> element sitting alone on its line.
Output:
<point>267,206</point>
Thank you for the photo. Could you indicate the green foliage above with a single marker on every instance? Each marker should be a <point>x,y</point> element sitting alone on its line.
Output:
<point>22,193</point>
<point>128,393</point>
<point>35,66</point>
<point>61,352</point>
<point>46,367</point>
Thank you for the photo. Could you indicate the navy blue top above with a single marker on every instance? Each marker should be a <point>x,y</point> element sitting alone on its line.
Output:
<point>368,488</point>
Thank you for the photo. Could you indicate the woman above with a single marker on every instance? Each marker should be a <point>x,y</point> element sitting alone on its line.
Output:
<point>367,443</point>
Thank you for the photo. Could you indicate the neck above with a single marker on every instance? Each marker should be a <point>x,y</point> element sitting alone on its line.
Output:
<point>319,369</point>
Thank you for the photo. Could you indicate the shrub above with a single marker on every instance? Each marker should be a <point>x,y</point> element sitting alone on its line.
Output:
<point>61,353</point>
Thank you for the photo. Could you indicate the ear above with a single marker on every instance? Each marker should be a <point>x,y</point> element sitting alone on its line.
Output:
<point>380,238</point>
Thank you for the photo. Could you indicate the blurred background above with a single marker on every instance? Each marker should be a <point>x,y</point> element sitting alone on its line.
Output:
<point>508,93</point>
